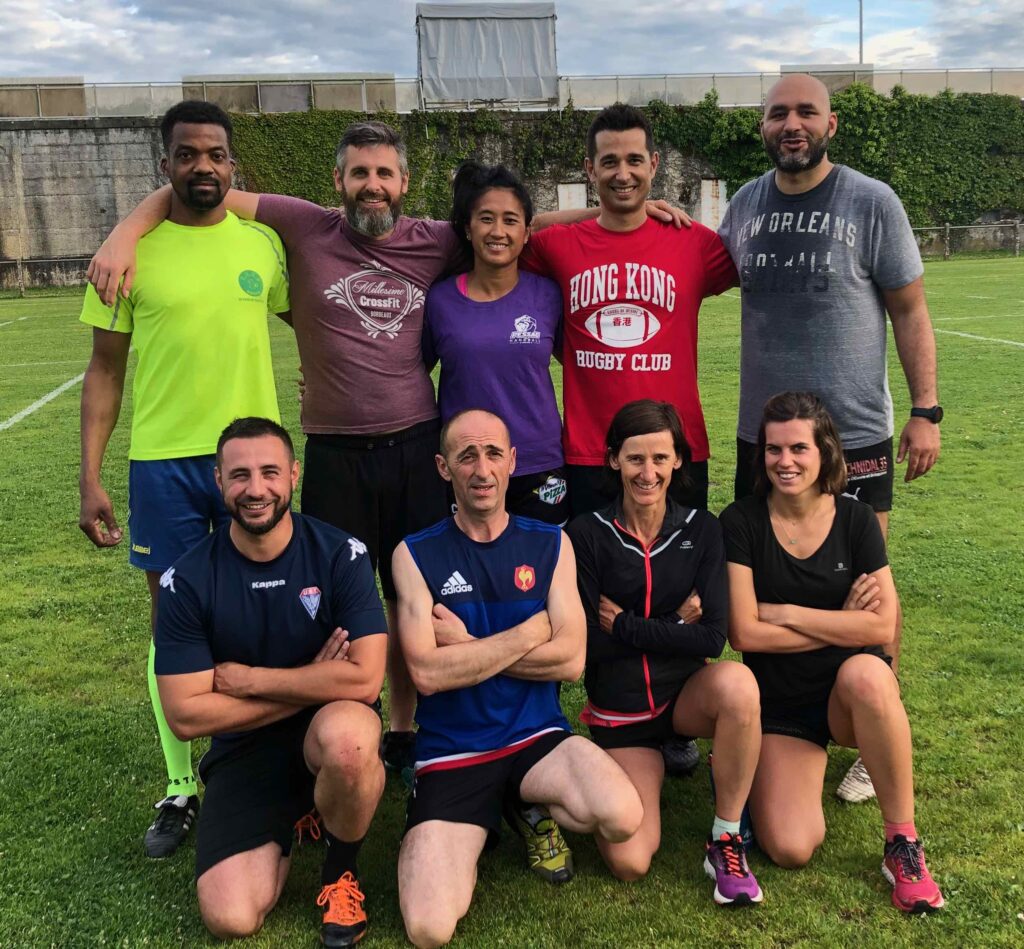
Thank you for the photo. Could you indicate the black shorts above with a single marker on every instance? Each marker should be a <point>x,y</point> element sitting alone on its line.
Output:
<point>379,488</point>
<point>257,787</point>
<point>476,794</point>
<point>869,472</point>
<point>650,734</point>
<point>809,722</point>
<point>592,487</point>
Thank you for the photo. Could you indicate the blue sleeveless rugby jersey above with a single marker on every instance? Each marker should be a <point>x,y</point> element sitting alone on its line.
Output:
<point>490,587</point>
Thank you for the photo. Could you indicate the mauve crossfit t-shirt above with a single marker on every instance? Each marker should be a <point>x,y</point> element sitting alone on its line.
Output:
<point>357,309</point>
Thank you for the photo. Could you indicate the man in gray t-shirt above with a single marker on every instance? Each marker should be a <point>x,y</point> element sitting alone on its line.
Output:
<point>823,253</point>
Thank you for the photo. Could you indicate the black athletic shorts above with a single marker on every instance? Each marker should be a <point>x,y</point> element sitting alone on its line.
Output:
<point>869,472</point>
<point>257,787</point>
<point>592,488</point>
<point>379,488</point>
<point>649,734</point>
<point>475,794</point>
<point>809,722</point>
<point>542,496</point>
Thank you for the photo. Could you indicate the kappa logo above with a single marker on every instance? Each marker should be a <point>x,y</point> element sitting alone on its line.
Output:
<point>379,297</point>
<point>525,577</point>
<point>267,584</point>
<point>456,583</point>
<point>167,580</point>
<point>357,547</point>
<point>525,330</point>
<point>310,598</point>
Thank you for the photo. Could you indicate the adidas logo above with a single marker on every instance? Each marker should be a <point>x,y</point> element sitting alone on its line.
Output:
<point>456,583</point>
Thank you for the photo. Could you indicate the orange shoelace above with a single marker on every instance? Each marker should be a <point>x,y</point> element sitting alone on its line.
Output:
<point>308,824</point>
<point>345,901</point>
<point>732,851</point>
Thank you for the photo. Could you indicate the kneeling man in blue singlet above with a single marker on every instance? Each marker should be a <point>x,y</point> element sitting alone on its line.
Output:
<point>490,619</point>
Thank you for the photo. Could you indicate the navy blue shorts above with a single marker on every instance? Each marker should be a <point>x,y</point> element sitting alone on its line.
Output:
<point>172,505</point>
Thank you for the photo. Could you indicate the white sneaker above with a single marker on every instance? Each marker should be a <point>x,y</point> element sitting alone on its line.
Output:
<point>856,786</point>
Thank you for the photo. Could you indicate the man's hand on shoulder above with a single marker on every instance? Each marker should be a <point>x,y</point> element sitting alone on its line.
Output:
<point>920,443</point>
<point>669,214</point>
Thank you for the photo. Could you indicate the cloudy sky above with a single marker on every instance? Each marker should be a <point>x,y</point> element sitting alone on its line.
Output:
<point>142,40</point>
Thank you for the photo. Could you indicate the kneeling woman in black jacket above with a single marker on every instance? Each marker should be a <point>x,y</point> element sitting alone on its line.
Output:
<point>652,578</point>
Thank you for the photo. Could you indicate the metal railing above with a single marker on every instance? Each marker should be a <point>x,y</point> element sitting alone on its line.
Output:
<point>34,100</point>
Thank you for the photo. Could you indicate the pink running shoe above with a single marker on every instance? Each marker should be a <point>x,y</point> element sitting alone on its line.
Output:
<point>725,861</point>
<point>913,889</point>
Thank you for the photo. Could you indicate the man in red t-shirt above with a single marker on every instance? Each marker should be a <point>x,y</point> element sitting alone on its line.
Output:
<point>632,287</point>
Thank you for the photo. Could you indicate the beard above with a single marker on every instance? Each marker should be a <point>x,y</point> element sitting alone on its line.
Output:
<point>201,200</point>
<point>281,507</point>
<point>816,150</point>
<point>372,223</point>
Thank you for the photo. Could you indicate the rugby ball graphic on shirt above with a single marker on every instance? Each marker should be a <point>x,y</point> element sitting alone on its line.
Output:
<point>622,325</point>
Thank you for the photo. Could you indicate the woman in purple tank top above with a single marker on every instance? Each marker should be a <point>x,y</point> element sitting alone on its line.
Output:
<point>494,330</point>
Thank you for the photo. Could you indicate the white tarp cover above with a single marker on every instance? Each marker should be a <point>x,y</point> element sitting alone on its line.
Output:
<point>487,51</point>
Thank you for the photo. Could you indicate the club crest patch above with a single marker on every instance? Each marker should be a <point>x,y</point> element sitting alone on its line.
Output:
<point>310,597</point>
<point>525,577</point>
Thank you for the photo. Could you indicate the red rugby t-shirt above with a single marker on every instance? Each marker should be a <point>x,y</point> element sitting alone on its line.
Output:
<point>630,322</point>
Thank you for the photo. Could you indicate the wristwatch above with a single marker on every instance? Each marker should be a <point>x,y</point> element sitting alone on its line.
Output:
<point>934,414</point>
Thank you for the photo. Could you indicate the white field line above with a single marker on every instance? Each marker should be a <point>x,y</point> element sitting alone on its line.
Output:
<point>54,362</point>
<point>729,293</point>
<point>18,320</point>
<point>971,319</point>
<point>975,297</point>
<point>984,339</point>
<point>39,403</point>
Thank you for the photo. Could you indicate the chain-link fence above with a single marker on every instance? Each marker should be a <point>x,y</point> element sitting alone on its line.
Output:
<point>980,240</point>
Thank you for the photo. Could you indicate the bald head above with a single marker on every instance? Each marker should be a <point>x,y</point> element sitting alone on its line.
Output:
<point>478,459</point>
<point>469,420</point>
<point>799,87</point>
<point>797,126</point>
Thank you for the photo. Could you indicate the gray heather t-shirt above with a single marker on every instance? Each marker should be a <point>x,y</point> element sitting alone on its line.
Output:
<point>357,309</point>
<point>812,267</point>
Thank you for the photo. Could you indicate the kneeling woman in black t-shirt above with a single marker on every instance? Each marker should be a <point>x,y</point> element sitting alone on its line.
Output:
<point>647,675</point>
<point>812,602</point>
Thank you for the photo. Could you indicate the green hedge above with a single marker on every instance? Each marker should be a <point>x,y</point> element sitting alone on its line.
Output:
<point>949,157</point>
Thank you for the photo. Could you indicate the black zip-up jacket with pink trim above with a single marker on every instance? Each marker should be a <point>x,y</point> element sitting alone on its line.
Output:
<point>650,652</point>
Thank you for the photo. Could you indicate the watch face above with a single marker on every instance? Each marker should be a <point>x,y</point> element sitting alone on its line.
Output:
<point>934,414</point>
<point>937,414</point>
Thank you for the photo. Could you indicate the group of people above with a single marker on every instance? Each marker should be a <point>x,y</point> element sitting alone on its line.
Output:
<point>268,631</point>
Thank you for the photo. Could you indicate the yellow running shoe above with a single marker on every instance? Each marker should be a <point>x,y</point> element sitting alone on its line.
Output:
<point>547,853</point>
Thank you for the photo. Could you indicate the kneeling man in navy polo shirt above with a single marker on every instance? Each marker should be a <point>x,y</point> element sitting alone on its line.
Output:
<point>270,637</point>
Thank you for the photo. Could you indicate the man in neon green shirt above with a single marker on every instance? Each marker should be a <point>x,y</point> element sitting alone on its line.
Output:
<point>197,317</point>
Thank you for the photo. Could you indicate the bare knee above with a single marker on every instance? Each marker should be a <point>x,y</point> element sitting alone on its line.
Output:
<point>630,864</point>
<point>428,928</point>
<point>234,920</point>
<point>350,758</point>
<point>789,852</point>
<point>867,684</point>
<point>622,819</point>
<point>738,696</point>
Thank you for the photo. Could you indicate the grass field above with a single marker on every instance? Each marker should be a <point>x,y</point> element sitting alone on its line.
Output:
<point>82,767</point>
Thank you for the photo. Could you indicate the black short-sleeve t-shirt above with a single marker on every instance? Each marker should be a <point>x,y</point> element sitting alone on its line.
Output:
<point>853,546</point>
<point>216,605</point>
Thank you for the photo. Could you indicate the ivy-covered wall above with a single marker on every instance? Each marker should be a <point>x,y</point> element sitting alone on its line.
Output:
<point>949,157</point>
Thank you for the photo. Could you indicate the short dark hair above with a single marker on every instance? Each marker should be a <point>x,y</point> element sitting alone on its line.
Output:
<point>447,425</point>
<point>253,426</point>
<point>194,112</point>
<point>471,182</point>
<point>787,406</point>
<point>618,118</point>
<point>368,134</point>
<point>645,417</point>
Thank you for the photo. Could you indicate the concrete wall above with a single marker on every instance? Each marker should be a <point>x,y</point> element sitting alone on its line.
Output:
<point>64,184</point>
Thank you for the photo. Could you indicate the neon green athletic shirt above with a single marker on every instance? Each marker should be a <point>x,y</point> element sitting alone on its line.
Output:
<point>197,313</point>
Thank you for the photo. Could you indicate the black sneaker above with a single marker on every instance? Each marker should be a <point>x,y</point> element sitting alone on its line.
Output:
<point>398,751</point>
<point>171,826</point>
<point>681,756</point>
